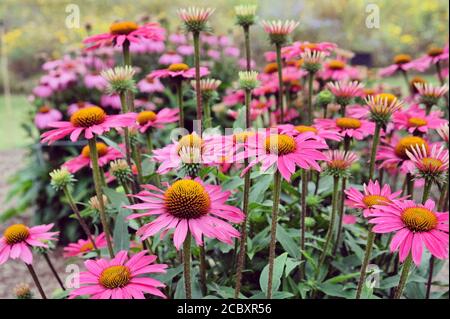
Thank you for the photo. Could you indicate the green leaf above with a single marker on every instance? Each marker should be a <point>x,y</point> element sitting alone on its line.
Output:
<point>342,278</point>
<point>278,268</point>
<point>287,242</point>
<point>240,121</point>
<point>260,187</point>
<point>120,236</point>
<point>333,290</point>
<point>117,199</point>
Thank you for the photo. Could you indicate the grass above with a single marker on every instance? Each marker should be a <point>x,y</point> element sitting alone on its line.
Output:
<point>12,135</point>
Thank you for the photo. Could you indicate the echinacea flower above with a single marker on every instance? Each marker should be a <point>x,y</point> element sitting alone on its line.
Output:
<point>414,225</point>
<point>429,94</point>
<point>150,84</point>
<point>284,151</point>
<point>245,15</point>
<point>17,240</point>
<point>120,79</point>
<point>373,194</point>
<point>312,60</point>
<point>443,132</point>
<point>415,120</point>
<point>178,71</point>
<point>125,31</point>
<point>347,126</point>
<point>120,278</point>
<point>150,119</point>
<point>278,30</point>
<point>434,56</point>
<point>297,48</point>
<point>337,70</point>
<point>338,162</point>
<point>84,246</point>
<point>170,57</point>
<point>195,19</point>
<point>248,80</point>
<point>72,108</point>
<point>431,165</point>
<point>90,120</point>
<point>402,63</point>
<point>345,91</point>
<point>105,153</point>
<point>46,115</point>
<point>382,106</point>
<point>188,206</point>
<point>324,134</point>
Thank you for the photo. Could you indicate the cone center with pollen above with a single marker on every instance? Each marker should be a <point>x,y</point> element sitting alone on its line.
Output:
<point>146,116</point>
<point>280,144</point>
<point>370,200</point>
<point>177,67</point>
<point>88,116</point>
<point>271,68</point>
<point>190,141</point>
<point>187,199</point>
<point>123,27</point>
<point>385,97</point>
<point>44,109</point>
<point>432,163</point>
<point>115,277</point>
<point>416,122</point>
<point>242,137</point>
<point>102,150</point>
<point>87,247</point>
<point>435,52</point>
<point>338,164</point>
<point>348,123</point>
<point>407,143</point>
<point>336,64</point>
<point>402,58</point>
<point>15,234</point>
<point>419,219</point>
<point>305,128</point>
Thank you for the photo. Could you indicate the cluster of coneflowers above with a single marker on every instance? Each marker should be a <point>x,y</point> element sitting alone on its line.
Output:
<point>339,118</point>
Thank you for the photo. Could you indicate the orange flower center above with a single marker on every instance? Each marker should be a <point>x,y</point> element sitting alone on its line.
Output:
<point>123,27</point>
<point>416,122</point>
<point>190,140</point>
<point>87,247</point>
<point>102,150</point>
<point>370,200</point>
<point>407,143</point>
<point>115,277</point>
<point>271,68</point>
<point>434,51</point>
<point>88,116</point>
<point>305,128</point>
<point>280,144</point>
<point>310,46</point>
<point>369,92</point>
<point>336,64</point>
<point>417,79</point>
<point>431,164</point>
<point>44,109</point>
<point>187,199</point>
<point>299,63</point>
<point>15,234</point>
<point>177,67</point>
<point>242,137</point>
<point>419,219</point>
<point>348,123</point>
<point>146,116</point>
<point>388,97</point>
<point>339,164</point>
<point>402,58</point>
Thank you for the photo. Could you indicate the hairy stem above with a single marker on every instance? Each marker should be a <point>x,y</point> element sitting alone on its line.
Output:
<point>36,280</point>
<point>403,277</point>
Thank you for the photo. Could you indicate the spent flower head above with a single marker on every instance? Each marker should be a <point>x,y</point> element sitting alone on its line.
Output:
<point>279,30</point>
<point>245,15</point>
<point>61,178</point>
<point>120,79</point>
<point>23,291</point>
<point>248,80</point>
<point>95,204</point>
<point>120,170</point>
<point>195,19</point>
<point>382,106</point>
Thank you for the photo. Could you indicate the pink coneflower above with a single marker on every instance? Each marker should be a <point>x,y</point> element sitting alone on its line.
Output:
<point>169,58</point>
<point>324,134</point>
<point>415,120</point>
<point>112,101</point>
<point>43,91</point>
<point>339,161</point>
<point>120,278</point>
<point>147,46</point>
<point>149,119</point>
<point>382,106</point>
<point>72,108</point>
<point>337,70</point>
<point>402,62</point>
<point>84,246</point>
<point>434,56</point>
<point>284,150</point>
<point>46,115</point>
<point>393,152</point>
<point>373,195</point>
<point>346,90</point>
<point>95,81</point>
<point>195,18</point>
<point>105,153</point>
<point>414,225</point>
<point>150,84</point>
<point>59,80</point>
<point>178,70</point>
<point>186,50</point>
<point>297,48</point>
<point>188,205</point>
<point>18,238</point>
<point>349,219</point>
<point>278,27</point>
<point>347,126</point>
<point>443,131</point>
<point>429,94</point>
<point>177,38</point>
<point>429,163</point>
<point>120,32</point>
<point>90,120</point>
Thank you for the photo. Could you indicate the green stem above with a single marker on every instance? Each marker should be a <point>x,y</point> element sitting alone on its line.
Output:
<point>310,94</point>
<point>367,254</point>
<point>98,190</point>
<point>148,135</point>
<point>198,92</point>
<point>179,89</point>
<point>341,215</point>
<point>410,185</point>
<point>273,230</point>
<point>203,270</point>
<point>83,224</point>
<point>403,277</point>
<point>208,119</point>
<point>187,266</point>
<point>408,85</point>
<point>247,47</point>
<point>52,268</point>
<point>280,83</point>
<point>126,131</point>
<point>426,190</point>
<point>302,220</point>
<point>36,280</point>
<point>376,140</point>
<point>329,235</point>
